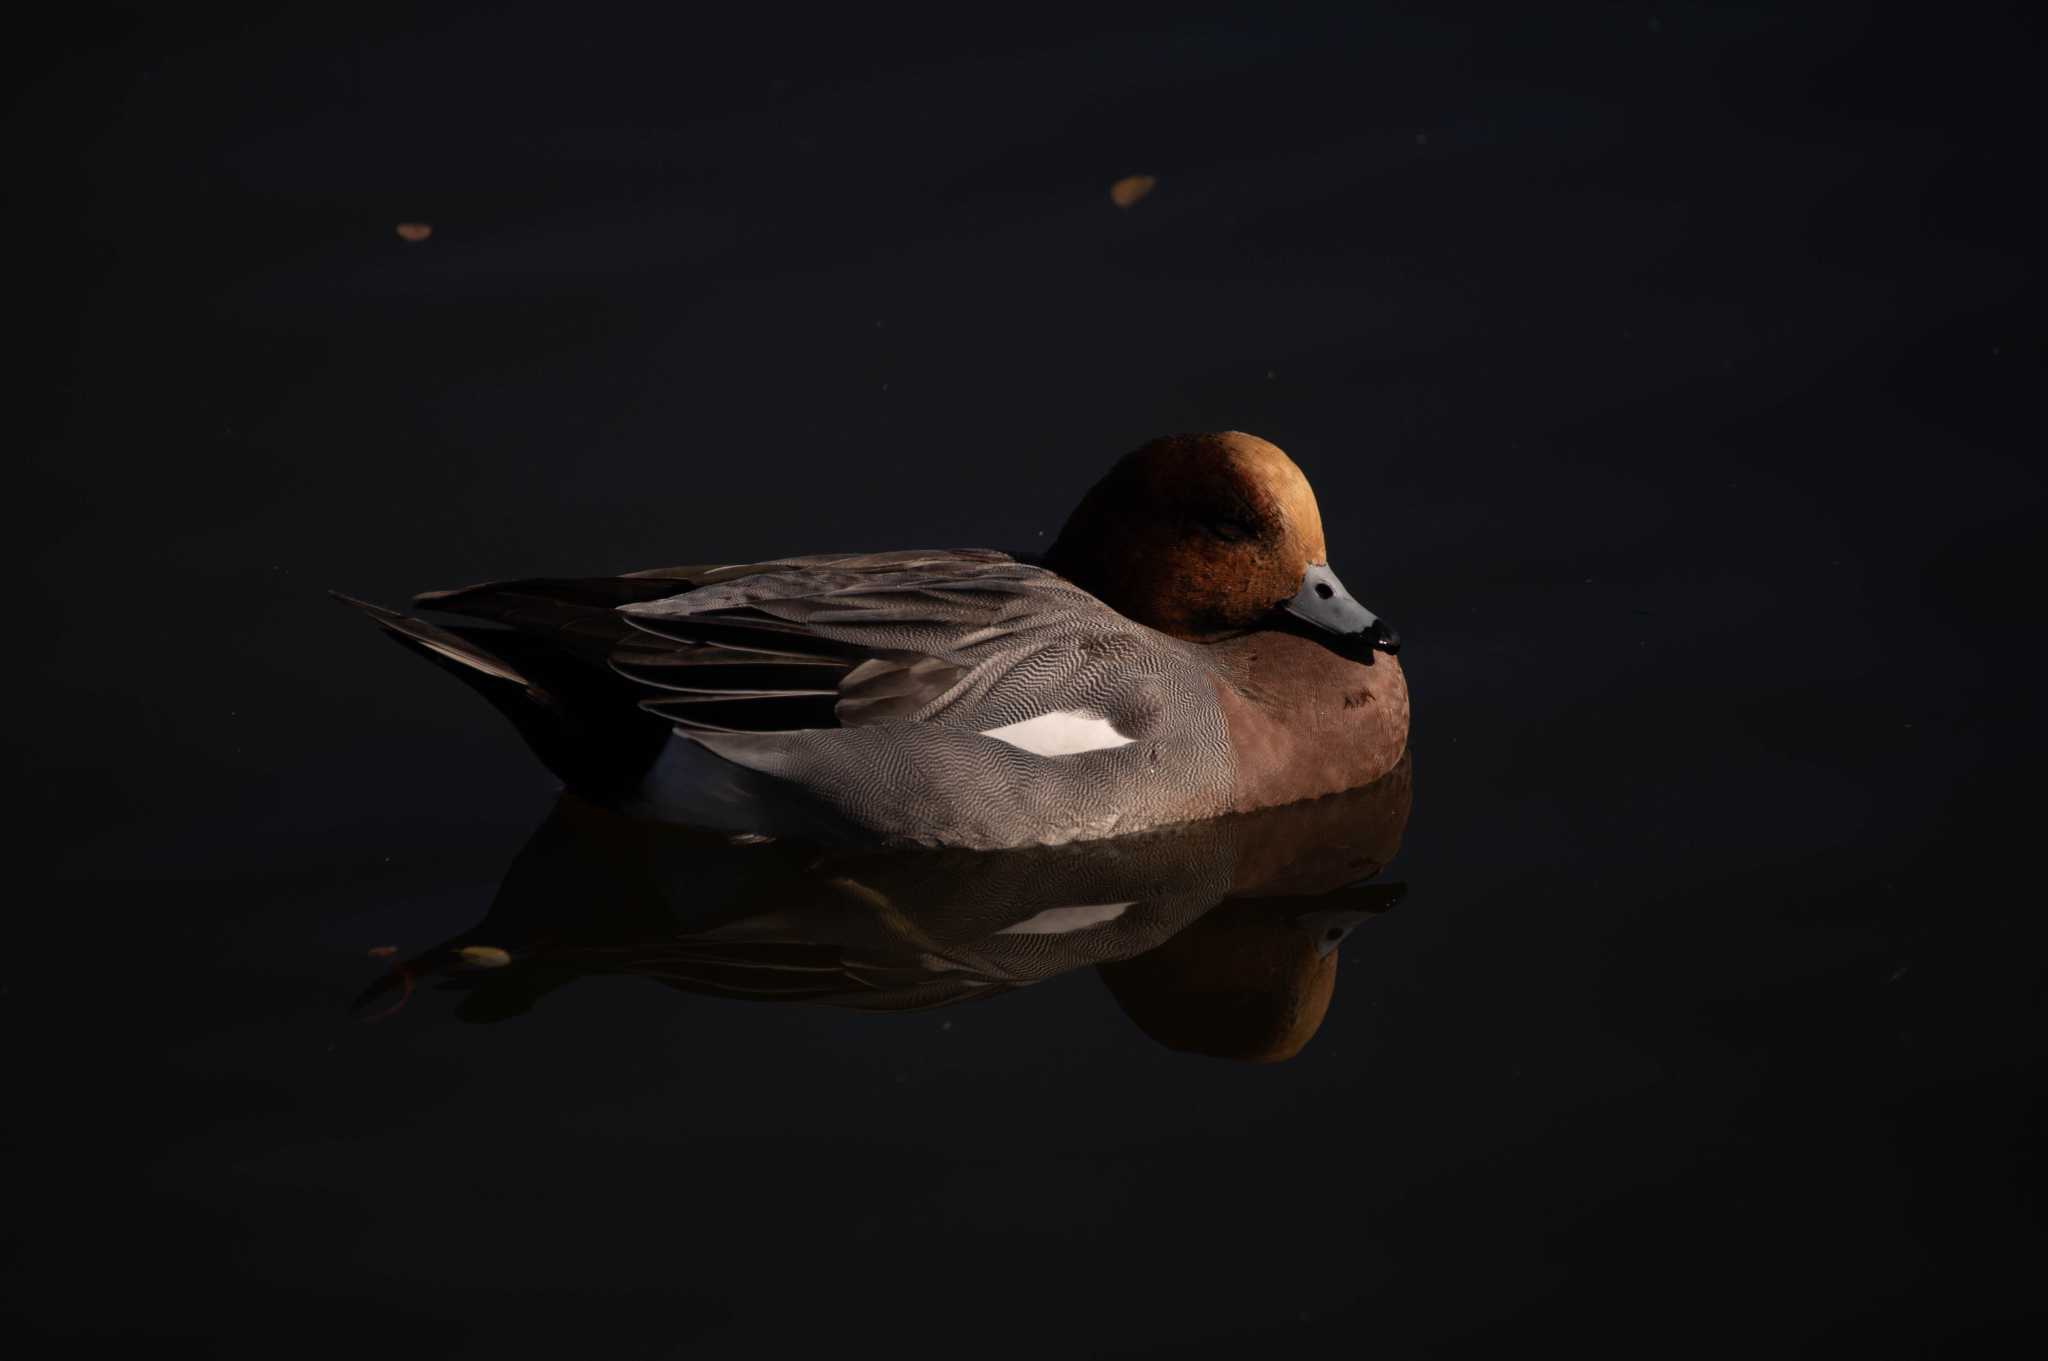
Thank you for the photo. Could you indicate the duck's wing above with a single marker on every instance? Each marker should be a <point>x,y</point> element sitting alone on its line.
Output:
<point>960,639</point>
<point>956,696</point>
<point>979,701</point>
<point>777,646</point>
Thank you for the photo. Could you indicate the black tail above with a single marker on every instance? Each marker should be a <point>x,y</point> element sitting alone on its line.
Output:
<point>580,718</point>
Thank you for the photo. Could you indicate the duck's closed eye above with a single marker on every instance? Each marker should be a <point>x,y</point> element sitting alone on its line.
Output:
<point>1232,530</point>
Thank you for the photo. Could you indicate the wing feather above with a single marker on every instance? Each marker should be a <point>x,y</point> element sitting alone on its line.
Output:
<point>898,626</point>
<point>828,640</point>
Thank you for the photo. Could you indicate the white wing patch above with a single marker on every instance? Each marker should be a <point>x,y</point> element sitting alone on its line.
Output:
<point>1066,732</point>
<point>1057,921</point>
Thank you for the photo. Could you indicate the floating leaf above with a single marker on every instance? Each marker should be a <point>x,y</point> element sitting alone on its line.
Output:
<point>383,951</point>
<point>1131,188</point>
<point>484,956</point>
<point>420,231</point>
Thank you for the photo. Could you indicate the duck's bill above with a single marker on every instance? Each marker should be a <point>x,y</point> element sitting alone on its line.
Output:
<point>1323,602</point>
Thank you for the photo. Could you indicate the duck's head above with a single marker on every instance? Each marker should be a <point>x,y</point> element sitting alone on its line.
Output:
<point>1205,536</point>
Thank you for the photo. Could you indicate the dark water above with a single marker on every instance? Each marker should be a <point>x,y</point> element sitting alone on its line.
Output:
<point>1671,377</point>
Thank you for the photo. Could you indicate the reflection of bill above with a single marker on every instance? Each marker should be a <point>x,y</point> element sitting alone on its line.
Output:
<point>1217,937</point>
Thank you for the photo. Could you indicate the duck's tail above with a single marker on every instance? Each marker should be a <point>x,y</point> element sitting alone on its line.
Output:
<point>567,708</point>
<point>464,656</point>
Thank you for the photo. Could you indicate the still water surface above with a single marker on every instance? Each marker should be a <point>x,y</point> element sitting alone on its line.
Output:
<point>1667,384</point>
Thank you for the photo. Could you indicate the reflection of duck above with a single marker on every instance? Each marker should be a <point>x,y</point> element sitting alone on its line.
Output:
<point>1184,652</point>
<point>596,893</point>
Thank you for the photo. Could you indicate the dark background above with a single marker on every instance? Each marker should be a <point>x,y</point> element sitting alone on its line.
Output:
<point>1670,374</point>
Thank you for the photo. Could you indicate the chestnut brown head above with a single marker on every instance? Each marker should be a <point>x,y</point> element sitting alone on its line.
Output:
<point>1205,536</point>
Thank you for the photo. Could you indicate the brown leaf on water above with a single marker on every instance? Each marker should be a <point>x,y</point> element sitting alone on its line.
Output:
<point>415,231</point>
<point>1131,188</point>
<point>484,956</point>
<point>383,951</point>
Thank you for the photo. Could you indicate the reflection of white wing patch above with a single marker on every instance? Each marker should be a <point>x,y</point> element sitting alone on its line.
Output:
<point>1055,921</point>
<point>1065,733</point>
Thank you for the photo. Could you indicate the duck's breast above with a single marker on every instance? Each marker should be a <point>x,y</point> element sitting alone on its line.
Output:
<point>1304,721</point>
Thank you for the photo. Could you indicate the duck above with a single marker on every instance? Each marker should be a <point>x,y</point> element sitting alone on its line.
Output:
<point>1184,650</point>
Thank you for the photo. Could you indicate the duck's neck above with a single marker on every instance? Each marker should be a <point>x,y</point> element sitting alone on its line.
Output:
<point>1109,577</point>
<point>1305,721</point>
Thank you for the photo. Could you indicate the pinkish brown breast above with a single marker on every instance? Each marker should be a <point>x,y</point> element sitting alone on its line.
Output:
<point>1305,722</point>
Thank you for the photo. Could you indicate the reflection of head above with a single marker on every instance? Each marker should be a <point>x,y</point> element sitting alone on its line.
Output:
<point>1241,983</point>
<point>1248,981</point>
